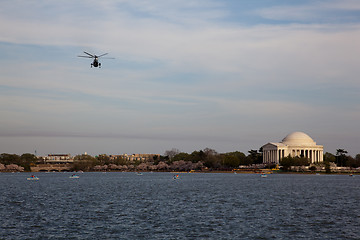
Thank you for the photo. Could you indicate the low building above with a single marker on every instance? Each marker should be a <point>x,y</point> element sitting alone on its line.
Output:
<point>137,157</point>
<point>296,144</point>
<point>58,158</point>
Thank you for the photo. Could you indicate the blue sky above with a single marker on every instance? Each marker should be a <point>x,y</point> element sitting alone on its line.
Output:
<point>228,75</point>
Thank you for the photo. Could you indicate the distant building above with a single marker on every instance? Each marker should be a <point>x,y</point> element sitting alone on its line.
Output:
<point>136,157</point>
<point>296,144</point>
<point>58,158</point>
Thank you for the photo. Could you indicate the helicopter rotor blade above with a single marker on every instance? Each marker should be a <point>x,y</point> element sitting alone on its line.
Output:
<point>102,55</point>
<point>108,58</point>
<point>89,54</point>
<point>86,56</point>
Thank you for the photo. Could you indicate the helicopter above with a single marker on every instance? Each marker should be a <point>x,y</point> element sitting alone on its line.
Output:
<point>96,62</point>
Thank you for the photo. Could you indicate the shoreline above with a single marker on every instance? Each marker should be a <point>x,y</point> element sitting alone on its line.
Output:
<point>191,172</point>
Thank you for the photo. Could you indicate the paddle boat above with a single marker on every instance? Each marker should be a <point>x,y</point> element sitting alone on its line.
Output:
<point>32,178</point>
<point>263,175</point>
<point>176,177</point>
<point>74,176</point>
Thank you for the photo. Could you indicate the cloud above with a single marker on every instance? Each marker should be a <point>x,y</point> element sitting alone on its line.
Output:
<point>336,11</point>
<point>144,32</point>
<point>182,70</point>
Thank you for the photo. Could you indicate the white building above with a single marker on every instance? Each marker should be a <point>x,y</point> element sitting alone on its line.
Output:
<point>58,158</point>
<point>296,144</point>
<point>137,157</point>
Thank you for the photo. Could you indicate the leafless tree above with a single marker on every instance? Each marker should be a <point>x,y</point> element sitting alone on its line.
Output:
<point>171,153</point>
<point>210,152</point>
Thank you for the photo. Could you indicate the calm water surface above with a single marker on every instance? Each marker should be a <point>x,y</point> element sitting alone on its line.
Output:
<point>196,206</point>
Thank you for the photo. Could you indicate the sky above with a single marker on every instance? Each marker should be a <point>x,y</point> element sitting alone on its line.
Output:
<point>227,75</point>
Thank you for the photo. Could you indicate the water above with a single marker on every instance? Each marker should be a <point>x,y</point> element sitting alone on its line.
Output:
<point>196,206</point>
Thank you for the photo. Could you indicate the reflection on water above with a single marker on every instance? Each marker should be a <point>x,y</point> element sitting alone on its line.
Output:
<point>195,206</point>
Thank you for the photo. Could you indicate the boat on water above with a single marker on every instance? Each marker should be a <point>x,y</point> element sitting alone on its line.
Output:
<point>263,175</point>
<point>32,178</point>
<point>176,177</point>
<point>139,173</point>
<point>74,176</point>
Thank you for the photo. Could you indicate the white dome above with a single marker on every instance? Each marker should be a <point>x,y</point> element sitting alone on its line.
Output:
<point>298,139</point>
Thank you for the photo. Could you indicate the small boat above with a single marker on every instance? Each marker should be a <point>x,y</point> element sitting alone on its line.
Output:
<point>32,178</point>
<point>263,175</point>
<point>139,173</point>
<point>74,176</point>
<point>176,177</point>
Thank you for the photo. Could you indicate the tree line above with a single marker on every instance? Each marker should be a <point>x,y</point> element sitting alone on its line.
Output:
<point>340,159</point>
<point>175,160</point>
<point>171,160</point>
<point>13,162</point>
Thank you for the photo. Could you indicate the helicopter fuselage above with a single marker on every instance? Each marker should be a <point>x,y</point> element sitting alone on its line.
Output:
<point>96,63</point>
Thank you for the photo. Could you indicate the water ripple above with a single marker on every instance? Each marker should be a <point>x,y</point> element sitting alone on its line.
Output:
<point>197,206</point>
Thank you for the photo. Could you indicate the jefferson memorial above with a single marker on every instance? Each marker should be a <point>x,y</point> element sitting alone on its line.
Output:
<point>296,144</point>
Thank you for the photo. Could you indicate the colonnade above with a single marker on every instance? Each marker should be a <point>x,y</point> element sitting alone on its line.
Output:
<point>275,155</point>
<point>271,156</point>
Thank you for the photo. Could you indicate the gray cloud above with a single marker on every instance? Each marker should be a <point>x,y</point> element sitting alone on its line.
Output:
<point>181,72</point>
